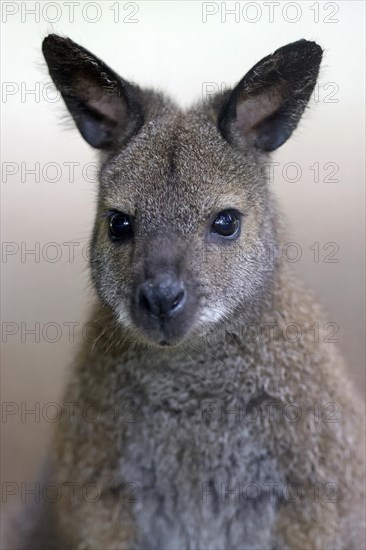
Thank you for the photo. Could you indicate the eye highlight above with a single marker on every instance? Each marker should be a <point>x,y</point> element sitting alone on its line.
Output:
<point>120,226</point>
<point>226,224</point>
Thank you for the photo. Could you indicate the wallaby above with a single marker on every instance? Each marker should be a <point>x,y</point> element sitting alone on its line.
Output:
<point>216,429</point>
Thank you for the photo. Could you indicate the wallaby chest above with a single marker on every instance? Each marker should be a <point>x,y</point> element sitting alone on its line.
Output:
<point>196,469</point>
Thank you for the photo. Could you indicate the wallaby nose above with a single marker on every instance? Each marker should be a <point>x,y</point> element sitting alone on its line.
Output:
<point>161,297</point>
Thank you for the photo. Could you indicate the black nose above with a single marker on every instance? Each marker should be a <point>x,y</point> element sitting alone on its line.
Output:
<point>164,296</point>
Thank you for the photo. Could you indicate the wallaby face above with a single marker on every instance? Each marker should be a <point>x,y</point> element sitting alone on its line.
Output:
<point>184,215</point>
<point>189,252</point>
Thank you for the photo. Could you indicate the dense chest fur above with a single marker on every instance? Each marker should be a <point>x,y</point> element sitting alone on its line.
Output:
<point>193,479</point>
<point>195,470</point>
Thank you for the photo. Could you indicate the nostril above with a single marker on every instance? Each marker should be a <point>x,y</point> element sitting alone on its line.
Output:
<point>178,299</point>
<point>146,300</point>
<point>143,301</point>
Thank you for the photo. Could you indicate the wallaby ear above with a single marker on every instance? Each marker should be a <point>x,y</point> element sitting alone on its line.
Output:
<point>267,104</point>
<point>105,108</point>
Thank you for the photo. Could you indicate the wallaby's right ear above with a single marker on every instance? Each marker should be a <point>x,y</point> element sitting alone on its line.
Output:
<point>106,109</point>
<point>266,105</point>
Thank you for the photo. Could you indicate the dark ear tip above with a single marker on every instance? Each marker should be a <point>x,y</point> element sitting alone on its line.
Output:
<point>306,48</point>
<point>50,40</point>
<point>313,49</point>
<point>55,44</point>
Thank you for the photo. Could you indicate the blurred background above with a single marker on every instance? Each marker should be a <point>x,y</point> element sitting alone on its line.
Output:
<point>188,49</point>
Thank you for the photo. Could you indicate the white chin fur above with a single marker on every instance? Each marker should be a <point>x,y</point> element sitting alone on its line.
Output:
<point>211,315</point>
<point>123,316</point>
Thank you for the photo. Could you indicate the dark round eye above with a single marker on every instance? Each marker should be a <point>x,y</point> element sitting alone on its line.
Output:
<point>119,226</point>
<point>226,224</point>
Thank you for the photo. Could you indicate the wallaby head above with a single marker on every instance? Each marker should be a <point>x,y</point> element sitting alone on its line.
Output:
<point>184,213</point>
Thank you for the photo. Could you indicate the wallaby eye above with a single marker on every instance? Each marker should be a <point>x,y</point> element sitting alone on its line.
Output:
<point>120,226</point>
<point>226,224</point>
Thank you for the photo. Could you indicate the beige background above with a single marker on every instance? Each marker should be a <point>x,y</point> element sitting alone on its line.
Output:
<point>169,47</point>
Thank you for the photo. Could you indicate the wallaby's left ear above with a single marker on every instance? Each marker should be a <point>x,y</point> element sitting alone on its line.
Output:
<point>106,108</point>
<point>267,104</point>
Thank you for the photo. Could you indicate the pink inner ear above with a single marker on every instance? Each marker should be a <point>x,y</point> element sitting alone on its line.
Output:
<point>110,106</point>
<point>254,109</point>
<point>103,99</point>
